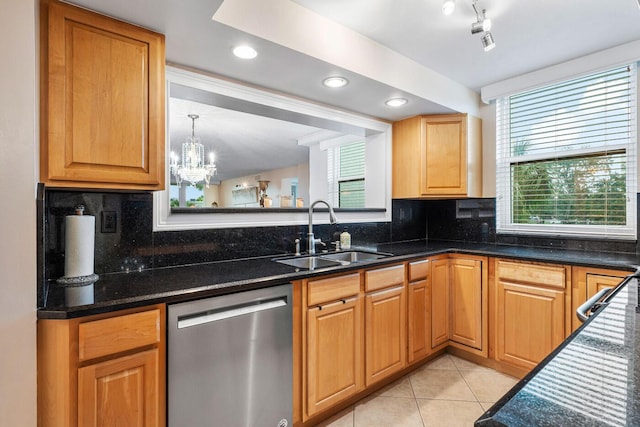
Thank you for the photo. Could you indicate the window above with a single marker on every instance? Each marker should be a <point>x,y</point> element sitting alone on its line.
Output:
<point>346,166</point>
<point>566,157</point>
<point>312,182</point>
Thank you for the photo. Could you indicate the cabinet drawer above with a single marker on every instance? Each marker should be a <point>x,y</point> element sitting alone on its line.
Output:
<point>333,288</point>
<point>535,274</point>
<point>383,277</point>
<point>418,270</point>
<point>117,334</point>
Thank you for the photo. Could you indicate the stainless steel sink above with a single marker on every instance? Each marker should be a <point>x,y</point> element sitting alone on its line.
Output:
<point>330,259</point>
<point>352,256</point>
<point>309,262</point>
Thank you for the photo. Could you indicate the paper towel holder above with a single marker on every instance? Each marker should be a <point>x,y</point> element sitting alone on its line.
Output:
<point>78,280</point>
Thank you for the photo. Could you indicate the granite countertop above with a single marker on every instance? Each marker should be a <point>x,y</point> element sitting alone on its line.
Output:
<point>117,291</point>
<point>592,379</point>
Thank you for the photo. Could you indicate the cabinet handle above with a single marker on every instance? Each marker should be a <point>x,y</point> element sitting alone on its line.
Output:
<point>342,300</point>
<point>591,304</point>
<point>195,319</point>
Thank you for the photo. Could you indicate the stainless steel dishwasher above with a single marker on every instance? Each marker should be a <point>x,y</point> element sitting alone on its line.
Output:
<point>230,360</point>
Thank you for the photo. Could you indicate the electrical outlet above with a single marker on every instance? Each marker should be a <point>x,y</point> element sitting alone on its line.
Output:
<point>109,222</point>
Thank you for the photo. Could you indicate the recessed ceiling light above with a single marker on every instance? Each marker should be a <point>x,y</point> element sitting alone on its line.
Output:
<point>396,102</point>
<point>335,81</point>
<point>245,52</point>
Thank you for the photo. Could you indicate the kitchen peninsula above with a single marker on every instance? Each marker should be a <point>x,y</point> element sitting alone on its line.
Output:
<point>592,379</point>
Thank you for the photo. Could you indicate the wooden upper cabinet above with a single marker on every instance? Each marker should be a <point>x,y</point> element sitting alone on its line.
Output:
<point>437,156</point>
<point>102,101</point>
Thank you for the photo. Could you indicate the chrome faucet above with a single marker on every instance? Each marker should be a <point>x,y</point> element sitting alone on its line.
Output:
<point>311,240</point>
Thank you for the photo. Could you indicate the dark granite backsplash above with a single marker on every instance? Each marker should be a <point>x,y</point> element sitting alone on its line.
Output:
<point>468,220</point>
<point>129,243</point>
<point>474,220</point>
<point>125,241</point>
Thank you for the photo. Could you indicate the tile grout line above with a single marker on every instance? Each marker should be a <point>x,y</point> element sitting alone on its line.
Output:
<point>467,383</point>
<point>423,421</point>
<point>415,399</point>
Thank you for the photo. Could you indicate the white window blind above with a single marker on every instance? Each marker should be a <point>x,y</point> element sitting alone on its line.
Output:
<point>566,157</point>
<point>346,174</point>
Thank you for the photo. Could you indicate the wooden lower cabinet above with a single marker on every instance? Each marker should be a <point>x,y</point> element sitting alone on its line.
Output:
<point>418,311</point>
<point>532,311</point>
<point>353,335</point>
<point>120,392</point>
<point>106,370</point>
<point>439,303</point>
<point>468,304</point>
<point>587,281</point>
<point>334,353</point>
<point>385,333</point>
<point>362,327</point>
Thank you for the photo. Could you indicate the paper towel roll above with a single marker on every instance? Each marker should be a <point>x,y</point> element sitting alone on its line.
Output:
<point>79,245</point>
<point>78,295</point>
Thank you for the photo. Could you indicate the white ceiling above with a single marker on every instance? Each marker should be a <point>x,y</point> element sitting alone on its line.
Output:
<point>529,35</point>
<point>386,48</point>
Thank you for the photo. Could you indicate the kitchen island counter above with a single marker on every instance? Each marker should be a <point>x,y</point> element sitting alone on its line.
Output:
<point>592,379</point>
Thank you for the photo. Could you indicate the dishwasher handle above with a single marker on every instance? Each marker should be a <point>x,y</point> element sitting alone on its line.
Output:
<point>581,312</point>
<point>195,319</point>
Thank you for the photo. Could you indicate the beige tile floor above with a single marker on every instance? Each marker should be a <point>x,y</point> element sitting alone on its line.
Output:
<point>448,391</point>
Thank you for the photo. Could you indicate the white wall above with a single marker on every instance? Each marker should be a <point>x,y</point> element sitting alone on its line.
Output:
<point>274,191</point>
<point>18,213</point>
<point>488,116</point>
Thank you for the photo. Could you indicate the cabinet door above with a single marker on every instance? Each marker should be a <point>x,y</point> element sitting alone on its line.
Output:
<point>104,102</point>
<point>597,282</point>
<point>385,333</point>
<point>121,392</point>
<point>419,320</point>
<point>466,302</point>
<point>444,155</point>
<point>439,302</point>
<point>334,354</point>
<point>531,323</point>
<point>586,282</point>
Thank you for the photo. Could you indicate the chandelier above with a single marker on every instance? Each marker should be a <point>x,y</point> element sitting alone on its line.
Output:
<point>192,167</point>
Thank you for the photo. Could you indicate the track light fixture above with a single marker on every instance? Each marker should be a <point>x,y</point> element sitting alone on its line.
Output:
<point>487,41</point>
<point>482,24</point>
